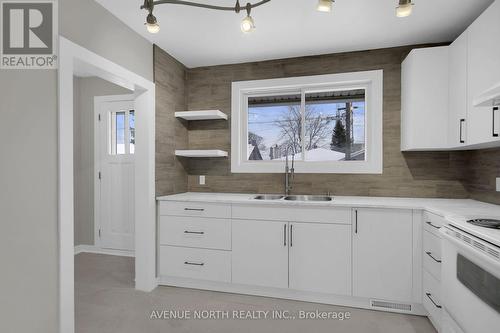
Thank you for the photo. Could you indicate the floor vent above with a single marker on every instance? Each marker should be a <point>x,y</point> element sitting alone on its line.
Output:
<point>389,305</point>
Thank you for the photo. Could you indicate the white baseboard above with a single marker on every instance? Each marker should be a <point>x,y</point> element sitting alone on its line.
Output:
<point>98,250</point>
<point>305,296</point>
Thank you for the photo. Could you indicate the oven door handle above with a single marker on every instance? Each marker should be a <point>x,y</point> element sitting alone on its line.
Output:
<point>471,251</point>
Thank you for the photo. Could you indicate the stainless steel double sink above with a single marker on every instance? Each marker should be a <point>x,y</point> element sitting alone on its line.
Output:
<point>293,197</point>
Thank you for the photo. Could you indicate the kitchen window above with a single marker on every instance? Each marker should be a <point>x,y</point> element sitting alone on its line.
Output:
<point>327,123</point>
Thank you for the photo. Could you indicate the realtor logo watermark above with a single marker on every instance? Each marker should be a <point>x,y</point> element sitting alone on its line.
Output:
<point>29,32</point>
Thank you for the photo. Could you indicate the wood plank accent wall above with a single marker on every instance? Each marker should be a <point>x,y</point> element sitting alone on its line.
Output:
<point>416,174</point>
<point>479,171</point>
<point>405,174</point>
<point>170,81</point>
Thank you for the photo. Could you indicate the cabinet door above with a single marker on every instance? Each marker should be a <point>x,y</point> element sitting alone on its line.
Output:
<point>424,99</point>
<point>320,258</point>
<point>458,92</point>
<point>260,253</point>
<point>483,74</point>
<point>383,254</point>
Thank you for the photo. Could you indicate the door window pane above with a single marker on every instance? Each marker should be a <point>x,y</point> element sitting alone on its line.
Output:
<point>335,125</point>
<point>117,133</point>
<point>274,127</point>
<point>131,121</point>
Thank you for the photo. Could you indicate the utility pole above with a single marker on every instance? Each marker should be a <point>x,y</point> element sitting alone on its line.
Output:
<point>348,121</point>
<point>348,129</point>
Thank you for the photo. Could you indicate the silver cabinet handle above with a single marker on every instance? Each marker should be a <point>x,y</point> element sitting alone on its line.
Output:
<point>356,222</point>
<point>435,304</point>
<point>291,235</point>
<point>195,209</point>
<point>433,225</point>
<point>194,263</point>
<point>194,232</point>
<point>430,255</point>
<point>284,234</point>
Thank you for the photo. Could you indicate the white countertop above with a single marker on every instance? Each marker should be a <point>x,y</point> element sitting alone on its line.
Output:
<point>442,207</point>
<point>456,211</point>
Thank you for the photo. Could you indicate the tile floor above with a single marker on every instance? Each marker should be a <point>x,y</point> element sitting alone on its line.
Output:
<point>106,302</point>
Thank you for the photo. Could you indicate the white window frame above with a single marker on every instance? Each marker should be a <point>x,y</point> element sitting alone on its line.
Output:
<point>371,81</point>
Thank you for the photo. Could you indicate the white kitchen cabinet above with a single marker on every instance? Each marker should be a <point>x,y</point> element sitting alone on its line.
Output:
<point>339,215</point>
<point>196,232</point>
<point>432,299</point>
<point>185,262</point>
<point>260,253</point>
<point>457,114</point>
<point>483,73</point>
<point>424,99</point>
<point>320,258</point>
<point>383,254</point>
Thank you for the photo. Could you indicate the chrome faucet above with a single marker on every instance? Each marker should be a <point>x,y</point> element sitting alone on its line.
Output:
<point>289,173</point>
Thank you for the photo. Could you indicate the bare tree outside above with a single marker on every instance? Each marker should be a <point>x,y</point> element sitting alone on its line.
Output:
<point>291,130</point>
<point>316,128</point>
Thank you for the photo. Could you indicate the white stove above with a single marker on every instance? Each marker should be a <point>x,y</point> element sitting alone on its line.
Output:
<point>471,274</point>
<point>470,224</point>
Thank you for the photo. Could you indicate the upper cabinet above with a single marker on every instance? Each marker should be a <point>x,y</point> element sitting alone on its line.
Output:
<point>483,74</point>
<point>457,113</point>
<point>424,99</point>
<point>447,96</point>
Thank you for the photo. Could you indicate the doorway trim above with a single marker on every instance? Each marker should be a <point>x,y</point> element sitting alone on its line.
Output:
<point>98,100</point>
<point>73,57</point>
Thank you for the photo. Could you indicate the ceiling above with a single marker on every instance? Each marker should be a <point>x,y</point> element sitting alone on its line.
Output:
<point>289,28</point>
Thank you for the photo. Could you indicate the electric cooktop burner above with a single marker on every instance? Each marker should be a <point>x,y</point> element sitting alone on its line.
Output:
<point>487,223</point>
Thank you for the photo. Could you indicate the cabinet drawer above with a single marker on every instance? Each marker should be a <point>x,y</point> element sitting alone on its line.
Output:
<point>200,264</point>
<point>433,222</point>
<point>337,215</point>
<point>200,232</point>
<point>432,299</point>
<point>432,254</point>
<point>200,209</point>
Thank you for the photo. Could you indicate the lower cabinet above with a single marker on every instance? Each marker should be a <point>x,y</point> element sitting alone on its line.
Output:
<point>194,263</point>
<point>301,256</point>
<point>260,253</point>
<point>320,258</point>
<point>372,254</point>
<point>383,254</point>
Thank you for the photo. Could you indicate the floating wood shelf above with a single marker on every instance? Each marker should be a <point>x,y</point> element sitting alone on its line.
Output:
<point>201,115</point>
<point>201,153</point>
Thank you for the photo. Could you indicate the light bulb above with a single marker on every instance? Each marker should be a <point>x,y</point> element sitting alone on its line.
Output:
<point>153,28</point>
<point>324,6</point>
<point>247,25</point>
<point>404,9</point>
<point>151,24</point>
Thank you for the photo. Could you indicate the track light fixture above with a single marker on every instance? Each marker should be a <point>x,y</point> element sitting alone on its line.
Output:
<point>247,25</point>
<point>404,9</point>
<point>151,24</point>
<point>325,5</point>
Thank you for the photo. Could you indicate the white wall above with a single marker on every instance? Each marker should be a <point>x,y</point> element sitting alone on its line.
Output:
<point>28,201</point>
<point>28,166</point>
<point>88,24</point>
<point>85,89</point>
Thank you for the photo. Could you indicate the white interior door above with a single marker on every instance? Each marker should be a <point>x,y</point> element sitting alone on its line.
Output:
<point>117,147</point>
